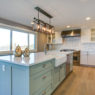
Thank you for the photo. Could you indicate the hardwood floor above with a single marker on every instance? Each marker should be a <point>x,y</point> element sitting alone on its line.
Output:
<point>80,82</point>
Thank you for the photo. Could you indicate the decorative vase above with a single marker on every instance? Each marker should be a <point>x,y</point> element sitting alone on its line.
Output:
<point>18,51</point>
<point>26,52</point>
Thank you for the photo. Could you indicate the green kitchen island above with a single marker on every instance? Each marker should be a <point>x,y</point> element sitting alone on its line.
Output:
<point>34,75</point>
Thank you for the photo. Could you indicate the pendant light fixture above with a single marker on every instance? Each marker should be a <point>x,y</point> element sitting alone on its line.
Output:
<point>41,25</point>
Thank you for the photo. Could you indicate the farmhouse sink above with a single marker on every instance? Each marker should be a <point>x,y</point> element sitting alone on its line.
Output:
<point>60,57</point>
<point>59,60</point>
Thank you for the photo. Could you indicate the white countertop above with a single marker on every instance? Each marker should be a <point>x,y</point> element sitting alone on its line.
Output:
<point>34,58</point>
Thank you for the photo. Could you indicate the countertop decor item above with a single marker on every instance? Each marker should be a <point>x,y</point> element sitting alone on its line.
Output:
<point>26,52</point>
<point>18,51</point>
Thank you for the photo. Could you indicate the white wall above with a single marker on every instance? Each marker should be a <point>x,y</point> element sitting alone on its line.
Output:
<point>82,43</point>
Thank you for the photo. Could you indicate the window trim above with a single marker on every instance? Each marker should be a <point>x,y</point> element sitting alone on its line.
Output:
<point>12,28</point>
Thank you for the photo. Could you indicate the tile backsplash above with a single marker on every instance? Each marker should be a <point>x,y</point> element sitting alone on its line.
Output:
<point>81,43</point>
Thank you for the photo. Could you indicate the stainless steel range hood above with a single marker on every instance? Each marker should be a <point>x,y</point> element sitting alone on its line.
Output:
<point>71,33</point>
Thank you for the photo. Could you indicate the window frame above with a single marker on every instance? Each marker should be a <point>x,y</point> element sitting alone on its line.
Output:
<point>12,28</point>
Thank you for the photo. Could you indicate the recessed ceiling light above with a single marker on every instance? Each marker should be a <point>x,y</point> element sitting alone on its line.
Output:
<point>88,18</point>
<point>68,26</point>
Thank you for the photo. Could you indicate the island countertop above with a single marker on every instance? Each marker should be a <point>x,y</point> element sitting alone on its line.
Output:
<point>35,58</point>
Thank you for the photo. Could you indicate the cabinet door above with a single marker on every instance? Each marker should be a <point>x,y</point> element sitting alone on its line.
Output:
<point>5,79</point>
<point>62,72</point>
<point>84,58</point>
<point>71,62</point>
<point>56,76</point>
<point>91,58</point>
<point>20,80</point>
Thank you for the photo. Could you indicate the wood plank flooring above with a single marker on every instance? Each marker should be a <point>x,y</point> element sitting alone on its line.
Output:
<point>80,82</point>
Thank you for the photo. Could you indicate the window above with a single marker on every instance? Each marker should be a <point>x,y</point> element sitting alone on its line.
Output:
<point>10,38</point>
<point>31,41</point>
<point>4,39</point>
<point>19,38</point>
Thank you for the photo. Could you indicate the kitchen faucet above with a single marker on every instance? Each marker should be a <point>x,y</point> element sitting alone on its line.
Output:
<point>45,49</point>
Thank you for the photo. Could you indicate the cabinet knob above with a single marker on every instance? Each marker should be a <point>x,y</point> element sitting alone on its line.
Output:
<point>44,65</point>
<point>3,68</point>
<point>44,77</point>
<point>44,93</point>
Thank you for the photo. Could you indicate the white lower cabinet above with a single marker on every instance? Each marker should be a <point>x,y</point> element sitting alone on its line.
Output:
<point>84,58</point>
<point>91,58</point>
<point>87,58</point>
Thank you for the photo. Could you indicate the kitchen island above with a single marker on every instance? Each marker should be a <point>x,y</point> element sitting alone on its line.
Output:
<point>38,74</point>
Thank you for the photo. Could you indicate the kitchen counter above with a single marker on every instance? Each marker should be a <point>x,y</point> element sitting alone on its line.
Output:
<point>24,77</point>
<point>35,58</point>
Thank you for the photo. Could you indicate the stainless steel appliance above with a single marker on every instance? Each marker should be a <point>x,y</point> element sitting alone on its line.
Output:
<point>76,56</point>
<point>68,65</point>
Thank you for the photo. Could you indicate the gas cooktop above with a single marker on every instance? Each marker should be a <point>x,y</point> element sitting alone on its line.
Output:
<point>66,50</point>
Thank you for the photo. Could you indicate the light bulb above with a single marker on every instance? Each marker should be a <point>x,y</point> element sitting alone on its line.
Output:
<point>49,30</point>
<point>44,29</point>
<point>38,27</point>
<point>88,18</point>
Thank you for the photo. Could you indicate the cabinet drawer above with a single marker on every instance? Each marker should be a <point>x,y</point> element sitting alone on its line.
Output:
<point>40,79</point>
<point>44,90</point>
<point>40,67</point>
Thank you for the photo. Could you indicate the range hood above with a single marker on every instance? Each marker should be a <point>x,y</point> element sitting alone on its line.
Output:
<point>71,33</point>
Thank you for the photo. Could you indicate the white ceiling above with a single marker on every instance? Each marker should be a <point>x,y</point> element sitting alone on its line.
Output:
<point>65,12</point>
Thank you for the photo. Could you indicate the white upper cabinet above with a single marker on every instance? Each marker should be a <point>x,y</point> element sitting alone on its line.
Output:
<point>88,35</point>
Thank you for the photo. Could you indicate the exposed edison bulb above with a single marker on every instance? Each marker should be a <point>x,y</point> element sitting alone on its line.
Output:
<point>44,28</point>
<point>49,30</point>
<point>38,27</point>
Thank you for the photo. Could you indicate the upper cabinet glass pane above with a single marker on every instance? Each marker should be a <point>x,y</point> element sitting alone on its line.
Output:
<point>4,39</point>
<point>31,41</point>
<point>19,38</point>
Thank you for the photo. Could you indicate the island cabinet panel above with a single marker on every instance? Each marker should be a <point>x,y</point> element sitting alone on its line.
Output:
<point>56,76</point>
<point>71,62</point>
<point>20,80</point>
<point>59,75</point>
<point>40,67</point>
<point>41,79</point>
<point>62,72</point>
<point>38,79</point>
<point>5,79</point>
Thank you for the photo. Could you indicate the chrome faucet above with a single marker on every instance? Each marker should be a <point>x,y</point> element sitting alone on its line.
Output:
<point>45,49</point>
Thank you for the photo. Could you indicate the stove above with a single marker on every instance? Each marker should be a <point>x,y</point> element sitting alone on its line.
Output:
<point>76,56</point>
<point>66,50</point>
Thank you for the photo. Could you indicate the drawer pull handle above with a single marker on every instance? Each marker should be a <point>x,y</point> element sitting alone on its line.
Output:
<point>44,65</point>
<point>44,77</point>
<point>44,93</point>
<point>3,68</point>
